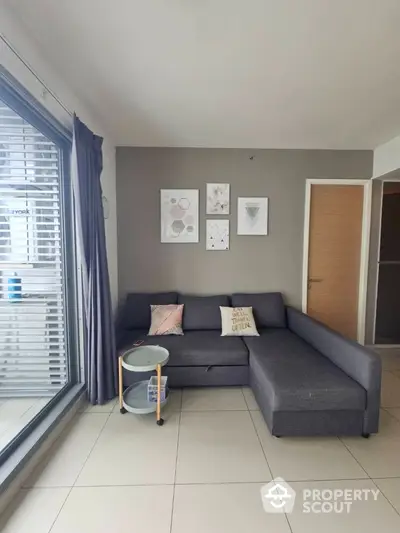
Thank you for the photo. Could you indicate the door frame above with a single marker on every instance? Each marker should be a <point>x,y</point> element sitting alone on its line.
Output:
<point>366,226</point>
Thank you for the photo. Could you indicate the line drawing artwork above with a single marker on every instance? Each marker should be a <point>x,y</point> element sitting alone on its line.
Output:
<point>217,234</point>
<point>218,199</point>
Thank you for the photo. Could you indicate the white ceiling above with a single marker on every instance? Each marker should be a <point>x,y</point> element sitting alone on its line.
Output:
<point>229,73</point>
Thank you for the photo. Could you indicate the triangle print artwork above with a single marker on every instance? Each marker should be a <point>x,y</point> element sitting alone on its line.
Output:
<point>252,216</point>
<point>252,211</point>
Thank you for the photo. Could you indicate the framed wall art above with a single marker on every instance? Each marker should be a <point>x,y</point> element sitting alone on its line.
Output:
<point>252,216</point>
<point>217,234</point>
<point>218,202</point>
<point>179,215</point>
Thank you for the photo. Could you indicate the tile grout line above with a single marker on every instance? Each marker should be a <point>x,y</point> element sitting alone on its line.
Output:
<point>216,410</point>
<point>244,397</point>
<point>288,522</point>
<point>386,409</point>
<point>353,456</point>
<point>53,447</point>
<point>215,483</point>
<point>311,481</point>
<point>94,444</point>
<point>372,479</point>
<point>266,460</point>
<point>369,477</point>
<point>392,371</point>
<point>174,484</point>
<point>262,448</point>
<point>176,464</point>
<point>61,508</point>
<point>386,498</point>
<point>79,473</point>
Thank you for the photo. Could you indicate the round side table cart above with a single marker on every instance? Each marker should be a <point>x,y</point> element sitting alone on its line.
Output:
<point>134,399</point>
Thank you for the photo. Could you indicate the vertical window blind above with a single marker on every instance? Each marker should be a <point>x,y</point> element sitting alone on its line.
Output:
<point>32,300</point>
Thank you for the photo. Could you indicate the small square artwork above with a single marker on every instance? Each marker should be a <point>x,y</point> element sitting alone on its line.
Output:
<point>217,234</point>
<point>179,215</point>
<point>217,199</point>
<point>252,216</point>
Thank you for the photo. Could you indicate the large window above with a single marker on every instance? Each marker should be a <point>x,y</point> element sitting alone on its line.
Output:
<point>37,299</point>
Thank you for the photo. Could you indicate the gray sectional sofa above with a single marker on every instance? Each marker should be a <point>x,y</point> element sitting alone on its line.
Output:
<point>307,379</point>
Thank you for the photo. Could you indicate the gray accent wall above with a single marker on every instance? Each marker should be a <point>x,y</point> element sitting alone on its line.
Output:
<point>253,263</point>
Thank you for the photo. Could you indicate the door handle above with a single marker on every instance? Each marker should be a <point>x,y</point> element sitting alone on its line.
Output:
<point>313,280</point>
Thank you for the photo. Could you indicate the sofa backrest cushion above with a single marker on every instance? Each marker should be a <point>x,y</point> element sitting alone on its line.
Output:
<point>202,312</point>
<point>268,308</point>
<point>136,313</point>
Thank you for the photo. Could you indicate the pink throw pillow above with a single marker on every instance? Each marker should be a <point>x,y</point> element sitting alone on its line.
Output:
<point>166,320</point>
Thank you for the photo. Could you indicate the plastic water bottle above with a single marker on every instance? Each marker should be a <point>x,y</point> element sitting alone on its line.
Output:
<point>14,287</point>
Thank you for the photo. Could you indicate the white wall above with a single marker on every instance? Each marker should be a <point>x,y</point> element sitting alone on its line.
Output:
<point>387,157</point>
<point>15,34</point>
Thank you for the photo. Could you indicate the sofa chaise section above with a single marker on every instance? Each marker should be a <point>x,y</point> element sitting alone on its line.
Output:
<point>299,391</point>
<point>309,380</point>
<point>361,364</point>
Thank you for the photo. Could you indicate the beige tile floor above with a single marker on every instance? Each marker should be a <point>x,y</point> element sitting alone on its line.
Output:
<point>202,471</point>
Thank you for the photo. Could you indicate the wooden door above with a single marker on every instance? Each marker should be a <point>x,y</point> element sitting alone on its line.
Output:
<point>334,256</point>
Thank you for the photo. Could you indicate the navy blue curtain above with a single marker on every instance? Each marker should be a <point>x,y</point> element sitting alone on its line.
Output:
<point>99,353</point>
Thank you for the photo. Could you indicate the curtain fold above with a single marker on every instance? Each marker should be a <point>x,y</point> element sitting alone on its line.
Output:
<point>99,336</point>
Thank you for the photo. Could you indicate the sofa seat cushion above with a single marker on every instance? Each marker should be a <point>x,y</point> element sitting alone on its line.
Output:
<point>296,377</point>
<point>195,348</point>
